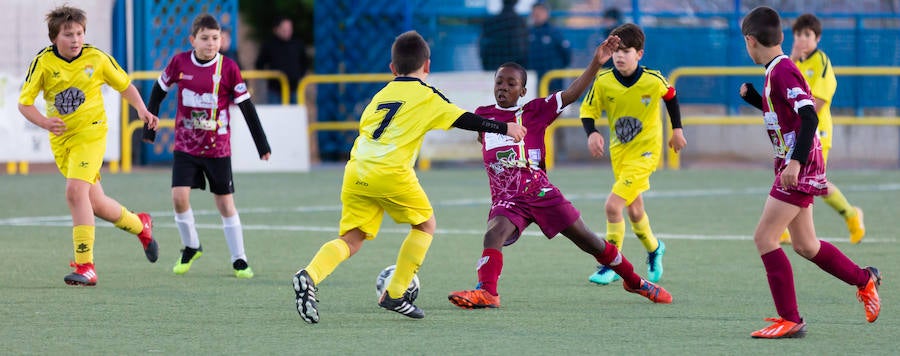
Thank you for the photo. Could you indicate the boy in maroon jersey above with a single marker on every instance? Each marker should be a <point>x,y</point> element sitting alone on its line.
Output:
<point>521,192</point>
<point>790,117</point>
<point>207,84</point>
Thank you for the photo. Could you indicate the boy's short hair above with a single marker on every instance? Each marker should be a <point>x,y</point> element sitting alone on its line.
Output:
<point>631,35</point>
<point>60,16</point>
<point>409,52</point>
<point>764,24</point>
<point>204,21</point>
<point>808,21</point>
<point>517,67</point>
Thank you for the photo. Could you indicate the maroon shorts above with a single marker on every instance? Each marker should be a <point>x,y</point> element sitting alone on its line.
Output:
<point>793,197</point>
<point>552,212</point>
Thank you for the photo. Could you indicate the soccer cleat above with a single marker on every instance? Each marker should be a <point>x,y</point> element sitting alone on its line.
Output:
<point>401,305</point>
<point>651,291</point>
<point>856,226</point>
<point>474,299</point>
<point>780,329</point>
<point>654,263</point>
<point>305,295</point>
<point>84,275</point>
<point>151,248</point>
<point>868,295</point>
<point>242,270</point>
<point>604,276</point>
<point>188,256</point>
<point>785,238</point>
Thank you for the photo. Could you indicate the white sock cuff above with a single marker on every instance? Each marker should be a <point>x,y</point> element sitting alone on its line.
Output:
<point>234,220</point>
<point>187,216</point>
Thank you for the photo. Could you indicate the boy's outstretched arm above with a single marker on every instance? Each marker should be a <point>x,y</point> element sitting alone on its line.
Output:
<point>601,54</point>
<point>256,129</point>
<point>133,97</point>
<point>751,96</point>
<point>156,97</point>
<point>472,122</point>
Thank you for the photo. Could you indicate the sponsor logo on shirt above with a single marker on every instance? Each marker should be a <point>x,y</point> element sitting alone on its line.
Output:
<point>793,93</point>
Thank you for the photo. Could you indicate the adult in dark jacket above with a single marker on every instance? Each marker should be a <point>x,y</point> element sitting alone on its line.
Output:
<point>284,53</point>
<point>504,38</point>
<point>548,49</point>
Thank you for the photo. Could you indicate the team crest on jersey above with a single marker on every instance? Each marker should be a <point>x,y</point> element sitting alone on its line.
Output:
<point>793,93</point>
<point>89,70</point>
<point>240,88</point>
<point>216,78</point>
<point>645,99</point>
<point>810,72</point>
<point>505,159</point>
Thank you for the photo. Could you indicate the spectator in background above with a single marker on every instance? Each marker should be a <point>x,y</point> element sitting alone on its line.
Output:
<point>284,53</point>
<point>226,49</point>
<point>504,38</point>
<point>612,18</point>
<point>548,49</point>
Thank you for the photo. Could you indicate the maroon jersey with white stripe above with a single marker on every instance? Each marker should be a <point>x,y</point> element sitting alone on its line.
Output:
<point>786,92</point>
<point>205,90</point>
<point>516,170</point>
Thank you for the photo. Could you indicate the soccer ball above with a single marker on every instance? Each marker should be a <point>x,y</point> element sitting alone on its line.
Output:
<point>384,279</point>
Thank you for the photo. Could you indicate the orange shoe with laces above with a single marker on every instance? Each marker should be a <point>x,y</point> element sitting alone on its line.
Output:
<point>474,299</point>
<point>868,295</point>
<point>84,275</point>
<point>651,291</point>
<point>780,329</point>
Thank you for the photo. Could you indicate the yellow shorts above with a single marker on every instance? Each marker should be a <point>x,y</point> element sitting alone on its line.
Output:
<point>366,212</point>
<point>632,180</point>
<point>81,160</point>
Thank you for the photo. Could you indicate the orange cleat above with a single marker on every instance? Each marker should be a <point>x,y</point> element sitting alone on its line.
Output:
<point>651,291</point>
<point>868,295</point>
<point>84,275</point>
<point>780,329</point>
<point>151,248</point>
<point>474,299</point>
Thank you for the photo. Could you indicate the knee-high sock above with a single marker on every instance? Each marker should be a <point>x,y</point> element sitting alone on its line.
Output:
<point>234,236</point>
<point>835,262</point>
<point>781,284</point>
<point>614,259</point>
<point>489,267</point>
<point>186,228</point>
<point>330,255</point>
<point>83,241</point>
<point>644,233</point>
<point>615,233</point>
<point>129,222</point>
<point>839,202</point>
<point>412,253</point>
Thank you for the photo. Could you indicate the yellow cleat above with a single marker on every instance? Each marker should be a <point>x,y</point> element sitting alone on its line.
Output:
<point>785,238</point>
<point>856,226</point>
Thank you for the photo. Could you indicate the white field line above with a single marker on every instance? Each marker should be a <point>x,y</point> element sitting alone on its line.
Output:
<point>65,220</point>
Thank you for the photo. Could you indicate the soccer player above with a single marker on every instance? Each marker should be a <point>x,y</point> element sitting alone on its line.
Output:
<point>70,74</point>
<point>630,95</point>
<point>816,68</point>
<point>790,118</point>
<point>521,192</point>
<point>379,176</point>
<point>208,83</point>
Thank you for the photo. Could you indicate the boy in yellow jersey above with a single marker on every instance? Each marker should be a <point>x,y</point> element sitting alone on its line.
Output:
<point>630,95</point>
<point>379,176</point>
<point>70,74</point>
<point>816,68</point>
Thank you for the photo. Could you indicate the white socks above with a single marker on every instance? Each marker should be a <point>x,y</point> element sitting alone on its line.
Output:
<point>234,235</point>
<point>186,228</point>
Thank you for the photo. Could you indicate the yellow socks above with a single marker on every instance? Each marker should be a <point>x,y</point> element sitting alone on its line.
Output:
<point>412,253</point>
<point>129,222</point>
<point>839,202</point>
<point>615,233</point>
<point>330,255</point>
<point>644,233</point>
<point>83,241</point>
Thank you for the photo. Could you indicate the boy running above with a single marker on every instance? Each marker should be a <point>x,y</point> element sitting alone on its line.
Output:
<point>379,176</point>
<point>521,192</point>
<point>70,73</point>
<point>790,118</point>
